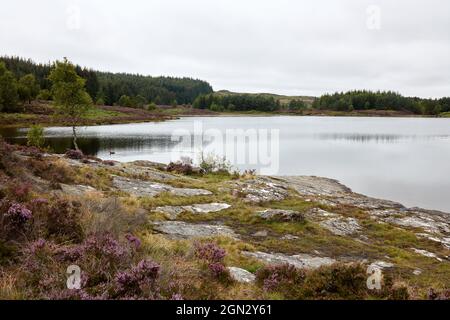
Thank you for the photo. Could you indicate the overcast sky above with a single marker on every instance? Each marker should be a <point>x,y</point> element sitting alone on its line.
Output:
<point>281,46</point>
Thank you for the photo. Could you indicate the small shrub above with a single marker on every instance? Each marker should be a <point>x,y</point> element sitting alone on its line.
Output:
<point>184,166</point>
<point>139,279</point>
<point>63,220</point>
<point>74,154</point>
<point>338,281</point>
<point>209,252</point>
<point>284,278</point>
<point>109,162</point>
<point>214,164</point>
<point>399,292</point>
<point>8,252</point>
<point>213,255</point>
<point>134,241</point>
<point>438,295</point>
<point>35,136</point>
<point>19,191</point>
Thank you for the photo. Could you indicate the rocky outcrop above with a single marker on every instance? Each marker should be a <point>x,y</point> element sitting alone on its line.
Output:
<point>426,254</point>
<point>75,190</point>
<point>341,226</point>
<point>183,230</point>
<point>260,189</point>
<point>302,261</point>
<point>241,275</point>
<point>173,212</point>
<point>141,188</point>
<point>281,215</point>
<point>332,193</point>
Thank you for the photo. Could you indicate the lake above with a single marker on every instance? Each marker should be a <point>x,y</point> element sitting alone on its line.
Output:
<point>401,159</point>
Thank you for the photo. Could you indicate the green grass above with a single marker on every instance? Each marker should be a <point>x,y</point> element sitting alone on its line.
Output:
<point>445,115</point>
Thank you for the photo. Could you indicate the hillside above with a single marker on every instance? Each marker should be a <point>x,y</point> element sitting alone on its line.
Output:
<point>282,98</point>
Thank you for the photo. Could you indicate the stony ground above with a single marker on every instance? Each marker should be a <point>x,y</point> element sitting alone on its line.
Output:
<point>306,222</point>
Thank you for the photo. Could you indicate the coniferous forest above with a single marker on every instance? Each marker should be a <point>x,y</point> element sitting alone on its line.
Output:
<point>108,88</point>
<point>135,90</point>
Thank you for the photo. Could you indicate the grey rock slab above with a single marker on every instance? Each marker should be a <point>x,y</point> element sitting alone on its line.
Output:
<point>76,190</point>
<point>174,211</point>
<point>261,189</point>
<point>302,261</point>
<point>281,215</point>
<point>426,254</point>
<point>341,226</point>
<point>183,230</point>
<point>445,241</point>
<point>241,275</point>
<point>289,237</point>
<point>261,234</point>
<point>207,207</point>
<point>381,265</point>
<point>141,188</point>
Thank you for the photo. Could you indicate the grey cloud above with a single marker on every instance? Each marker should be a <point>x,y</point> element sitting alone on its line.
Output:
<point>283,46</point>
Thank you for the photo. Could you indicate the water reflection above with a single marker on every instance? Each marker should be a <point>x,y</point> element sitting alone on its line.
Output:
<point>402,159</point>
<point>377,138</point>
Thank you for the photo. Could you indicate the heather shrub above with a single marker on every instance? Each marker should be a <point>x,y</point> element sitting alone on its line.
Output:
<point>439,295</point>
<point>74,154</point>
<point>100,258</point>
<point>8,252</point>
<point>40,273</point>
<point>109,216</point>
<point>338,281</point>
<point>62,220</point>
<point>139,281</point>
<point>209,252</point>
<point>180,168</point>
<point>19,191</point>
<point>212,255</point>
<point>53,172</point>
<point>14,219</point>
<point>283,278</point>
<point>399,292</point>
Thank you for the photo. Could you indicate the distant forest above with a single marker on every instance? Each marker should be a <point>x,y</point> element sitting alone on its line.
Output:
<point>133,90</point>
<point>108,88</point>
<point>386,100</point>
<point>245,102</point>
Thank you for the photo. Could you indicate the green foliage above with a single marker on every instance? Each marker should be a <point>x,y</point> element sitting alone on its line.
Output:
<point>152,106</point>
<point>28,88</point>
<point>8,90</point>
<point>132,102</point>
<point>69,93</point>
<point>237,102</point>
<point>295,105</point>
<point>212,163</point>
<point>100,102</point>
<point>35,136</point>
<point>44,94</point>
<point>381,100</point>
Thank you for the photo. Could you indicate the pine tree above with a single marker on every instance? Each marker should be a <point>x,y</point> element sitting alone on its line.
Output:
<point>8,90</point>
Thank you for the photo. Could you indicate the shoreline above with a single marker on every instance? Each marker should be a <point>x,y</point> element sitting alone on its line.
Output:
<point>313,224</point>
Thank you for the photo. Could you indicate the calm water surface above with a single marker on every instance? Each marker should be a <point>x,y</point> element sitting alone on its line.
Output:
<point>402,159</point>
